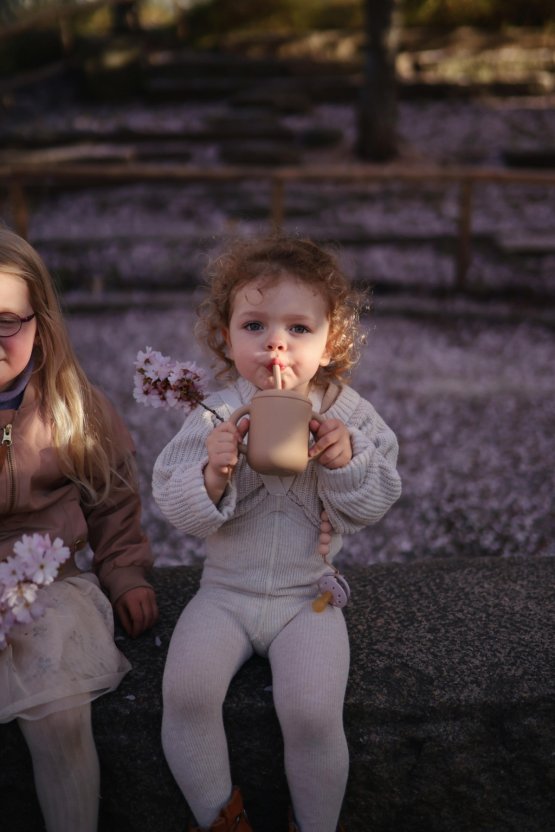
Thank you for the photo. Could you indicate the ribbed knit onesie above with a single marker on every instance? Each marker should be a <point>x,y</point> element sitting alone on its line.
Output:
<point>259,579</point>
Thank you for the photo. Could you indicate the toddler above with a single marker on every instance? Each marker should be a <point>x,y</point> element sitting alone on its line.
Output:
<point>283,301</point>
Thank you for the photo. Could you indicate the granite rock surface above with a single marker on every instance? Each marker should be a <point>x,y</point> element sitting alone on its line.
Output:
<point>450,709</point>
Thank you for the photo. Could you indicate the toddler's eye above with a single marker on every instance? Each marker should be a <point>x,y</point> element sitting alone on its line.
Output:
<point>253,326</point>
<point>299,329</point>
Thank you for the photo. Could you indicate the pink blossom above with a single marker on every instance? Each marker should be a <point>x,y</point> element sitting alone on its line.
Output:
<point>12,571</point>
<point>161,382</point>
<point>34,565</point>
<point>20,600</point>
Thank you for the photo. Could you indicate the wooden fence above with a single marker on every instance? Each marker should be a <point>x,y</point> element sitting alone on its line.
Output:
<point>16,178</point>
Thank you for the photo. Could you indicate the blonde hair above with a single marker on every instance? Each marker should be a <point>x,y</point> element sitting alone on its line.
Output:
<point>80,431</point>
<point>269,259</point>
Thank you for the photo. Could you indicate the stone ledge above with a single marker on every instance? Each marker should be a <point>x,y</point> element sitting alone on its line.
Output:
<point>450,710</point>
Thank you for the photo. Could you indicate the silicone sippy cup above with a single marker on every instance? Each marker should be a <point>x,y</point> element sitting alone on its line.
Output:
<point>278,431</point>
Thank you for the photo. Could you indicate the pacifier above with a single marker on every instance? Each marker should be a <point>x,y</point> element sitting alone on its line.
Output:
<point>334,590</point>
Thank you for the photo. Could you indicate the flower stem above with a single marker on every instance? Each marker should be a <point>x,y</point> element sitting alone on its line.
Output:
<point>217,415</point>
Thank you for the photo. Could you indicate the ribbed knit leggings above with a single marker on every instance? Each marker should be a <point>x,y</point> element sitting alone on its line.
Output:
<point>309,656</point>
<point>65,767</point>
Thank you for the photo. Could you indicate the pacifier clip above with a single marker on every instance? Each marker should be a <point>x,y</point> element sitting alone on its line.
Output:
<point>332,586</point>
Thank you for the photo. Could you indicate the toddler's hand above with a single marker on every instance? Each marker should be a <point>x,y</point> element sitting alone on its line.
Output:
<point>221,445</point>
<point>334,439</point>
<point>223,455</point>
<point>137,609</point>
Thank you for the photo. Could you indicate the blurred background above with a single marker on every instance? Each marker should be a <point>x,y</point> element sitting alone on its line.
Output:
<point>416,138</point>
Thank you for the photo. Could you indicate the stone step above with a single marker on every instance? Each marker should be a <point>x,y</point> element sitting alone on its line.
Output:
<point>98,151</point>
<point>315,88</point>
<point>188,63</point>
<point>539,157</point>
<point>449,711</point>
<point>215,128</point>
<point>525,244</point>
<point>172,259</point>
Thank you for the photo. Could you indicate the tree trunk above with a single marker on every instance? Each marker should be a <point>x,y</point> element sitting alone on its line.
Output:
<point>125,17</point>
<point>377,109</point>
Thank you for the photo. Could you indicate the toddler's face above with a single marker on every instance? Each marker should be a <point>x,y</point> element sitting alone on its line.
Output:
<point>16,350</point>
<point>286,320</point>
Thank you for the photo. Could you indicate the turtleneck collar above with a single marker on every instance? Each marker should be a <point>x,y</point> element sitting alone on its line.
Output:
<point>11,399</point>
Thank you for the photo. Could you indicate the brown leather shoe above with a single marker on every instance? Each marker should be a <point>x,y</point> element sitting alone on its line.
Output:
<point>232,818</point>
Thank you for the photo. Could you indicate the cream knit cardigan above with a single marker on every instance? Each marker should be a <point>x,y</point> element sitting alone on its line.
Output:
<point>354,496</point>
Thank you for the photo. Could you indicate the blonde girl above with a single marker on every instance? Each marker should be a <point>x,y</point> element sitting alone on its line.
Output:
<point>283,301</point>
<point>66,469</point>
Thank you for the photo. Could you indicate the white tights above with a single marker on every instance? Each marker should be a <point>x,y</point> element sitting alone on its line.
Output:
<point>65,767</point>
<point>310,661</point>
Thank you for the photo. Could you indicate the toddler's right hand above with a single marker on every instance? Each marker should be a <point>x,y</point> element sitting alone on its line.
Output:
<point>223,455</point>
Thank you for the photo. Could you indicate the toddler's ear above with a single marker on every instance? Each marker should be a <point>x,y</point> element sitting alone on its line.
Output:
<point>326,357</point>
<point>225,335</point>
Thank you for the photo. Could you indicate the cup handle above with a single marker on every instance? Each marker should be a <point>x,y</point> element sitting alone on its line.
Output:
<point>234,419</point>
<point>320,419</point>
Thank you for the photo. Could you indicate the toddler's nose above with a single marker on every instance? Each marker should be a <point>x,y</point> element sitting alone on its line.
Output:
<point>275,343</point>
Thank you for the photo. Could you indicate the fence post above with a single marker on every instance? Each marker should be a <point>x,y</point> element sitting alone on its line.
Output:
<point>67,37</point>
<point>464,233</point>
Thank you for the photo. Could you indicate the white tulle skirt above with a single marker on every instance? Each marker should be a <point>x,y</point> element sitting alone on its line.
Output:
<point>65,658</point>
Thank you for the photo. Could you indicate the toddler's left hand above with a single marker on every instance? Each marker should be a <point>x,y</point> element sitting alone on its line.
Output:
<point>334,438</point>
<point>137,610</point>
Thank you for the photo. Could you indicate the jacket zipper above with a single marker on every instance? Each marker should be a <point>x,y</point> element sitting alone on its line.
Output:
<point>7,444</point>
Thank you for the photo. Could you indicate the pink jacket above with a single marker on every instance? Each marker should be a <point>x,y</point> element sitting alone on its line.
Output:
<point>35,496</point>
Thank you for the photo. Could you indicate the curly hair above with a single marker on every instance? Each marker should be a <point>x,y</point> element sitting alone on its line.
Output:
<point>269,259</point>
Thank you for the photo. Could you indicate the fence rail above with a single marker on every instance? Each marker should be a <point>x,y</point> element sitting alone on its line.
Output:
<point>15,179</point>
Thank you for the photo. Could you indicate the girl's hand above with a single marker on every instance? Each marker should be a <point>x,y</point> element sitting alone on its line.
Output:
<point>334,439</point>
<point>137,610</point>
<point>223,455</point>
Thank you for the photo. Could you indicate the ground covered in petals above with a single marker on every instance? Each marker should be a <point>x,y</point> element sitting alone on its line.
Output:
<point>471,399</point>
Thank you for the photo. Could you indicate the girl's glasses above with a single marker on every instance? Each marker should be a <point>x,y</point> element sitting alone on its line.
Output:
<point>10,323</point>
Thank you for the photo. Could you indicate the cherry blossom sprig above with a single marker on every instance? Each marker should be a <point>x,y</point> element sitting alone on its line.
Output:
<point>34,565</point>
<point>164,383</point>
